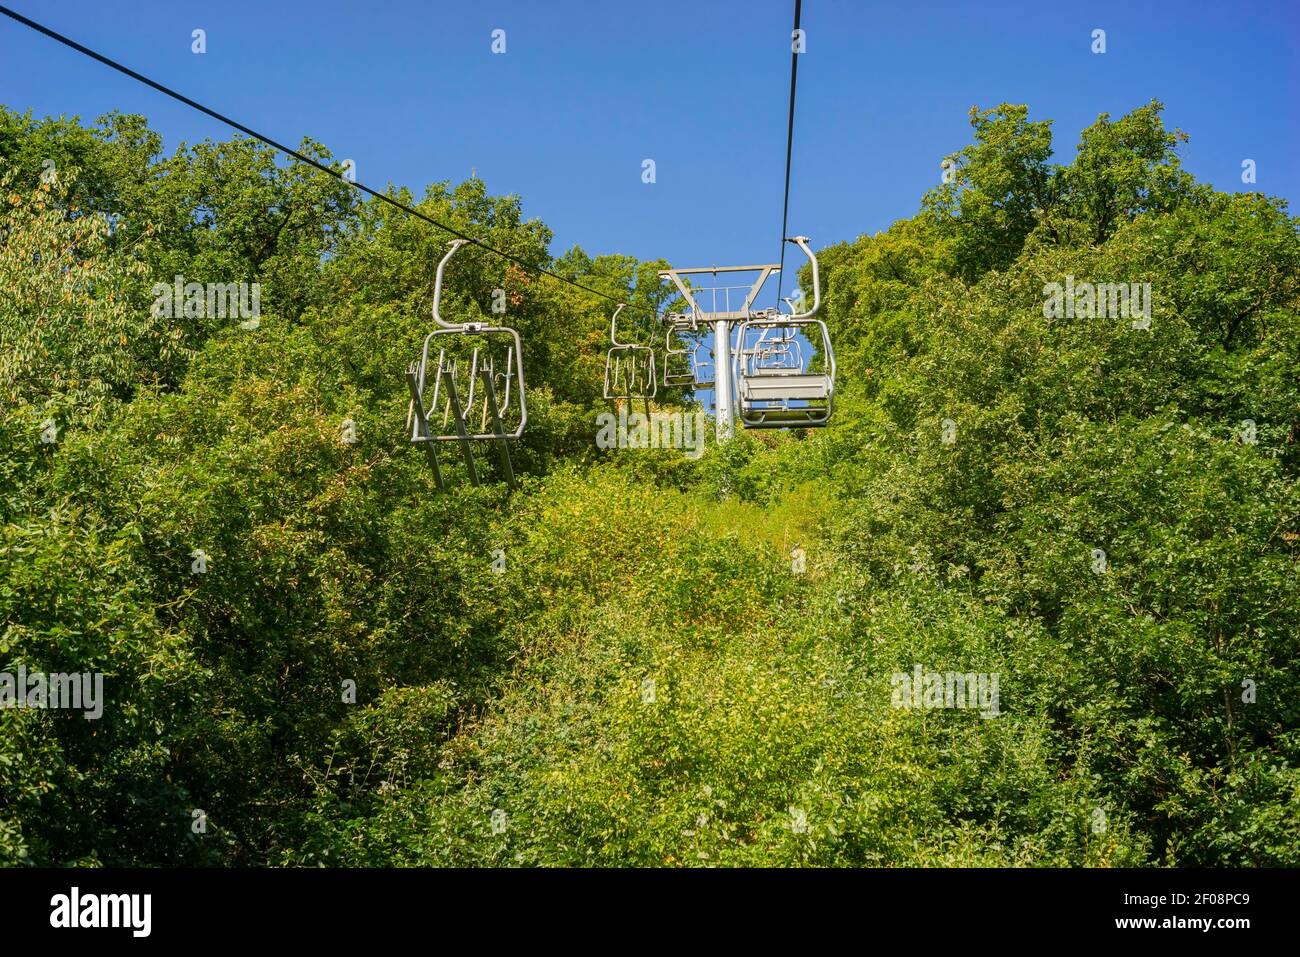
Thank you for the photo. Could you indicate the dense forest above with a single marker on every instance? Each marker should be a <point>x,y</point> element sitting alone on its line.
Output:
<point>618,663</point>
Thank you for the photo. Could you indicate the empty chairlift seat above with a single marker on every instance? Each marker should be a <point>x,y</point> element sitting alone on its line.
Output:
<point>629,368</point>
<point>467,386</point>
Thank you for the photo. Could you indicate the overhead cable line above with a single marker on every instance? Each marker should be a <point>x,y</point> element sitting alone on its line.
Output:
<point>789,144</point>
<point>235,124</point>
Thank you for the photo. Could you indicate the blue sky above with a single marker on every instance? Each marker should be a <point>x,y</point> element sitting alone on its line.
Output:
<point>586,91</point>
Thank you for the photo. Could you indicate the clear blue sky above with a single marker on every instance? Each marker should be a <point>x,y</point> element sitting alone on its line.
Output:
<point>587,90</point>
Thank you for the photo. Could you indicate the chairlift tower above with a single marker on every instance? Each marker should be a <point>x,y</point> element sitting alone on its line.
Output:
<point>774,383</point>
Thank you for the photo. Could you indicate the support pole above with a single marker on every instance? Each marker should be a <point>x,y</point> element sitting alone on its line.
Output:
<point>722,378</point>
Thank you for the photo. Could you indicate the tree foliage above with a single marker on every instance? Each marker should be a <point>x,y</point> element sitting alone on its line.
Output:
<point>353,677</point>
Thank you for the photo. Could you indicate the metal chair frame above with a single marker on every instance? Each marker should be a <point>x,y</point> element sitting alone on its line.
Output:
<point>771,374</point>
<point>491,425</point>
<point>630,365</point>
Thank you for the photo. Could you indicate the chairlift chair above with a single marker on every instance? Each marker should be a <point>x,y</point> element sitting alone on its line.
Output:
<point>778,387</point>
<point>629,368</point>
<point>690,369</point>
<point>474,398</point>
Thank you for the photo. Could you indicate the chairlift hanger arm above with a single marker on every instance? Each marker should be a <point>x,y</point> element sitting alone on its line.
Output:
<point>802,243</point>
<point>613,329</point>
<point>454,245</point>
